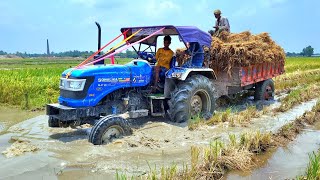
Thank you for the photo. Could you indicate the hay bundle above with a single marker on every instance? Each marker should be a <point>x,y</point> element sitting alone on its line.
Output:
<point>182,56</point>
<point>243,49</point>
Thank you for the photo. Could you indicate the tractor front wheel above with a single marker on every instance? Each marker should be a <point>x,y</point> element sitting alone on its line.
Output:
<point>193,97</point>
<point>53,122</point>
<point>109,128</point>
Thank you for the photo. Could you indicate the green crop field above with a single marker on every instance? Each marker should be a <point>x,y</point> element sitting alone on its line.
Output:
<point>32,83</point>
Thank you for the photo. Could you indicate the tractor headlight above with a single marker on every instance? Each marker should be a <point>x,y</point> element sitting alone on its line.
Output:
<point>72,84</point>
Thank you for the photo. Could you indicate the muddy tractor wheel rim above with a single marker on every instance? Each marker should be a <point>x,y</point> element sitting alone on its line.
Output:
<point>113,132</point>
<point>268,93</point>
<point>200,102</point>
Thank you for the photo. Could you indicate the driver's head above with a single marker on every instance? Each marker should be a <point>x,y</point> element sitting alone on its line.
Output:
<point>166,41</point>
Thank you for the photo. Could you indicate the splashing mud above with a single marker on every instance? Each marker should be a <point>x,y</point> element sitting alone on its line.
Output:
<point>19,147</point>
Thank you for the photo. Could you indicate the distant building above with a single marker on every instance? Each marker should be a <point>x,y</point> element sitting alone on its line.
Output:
<point>48,49</point>
<point>316,55</point>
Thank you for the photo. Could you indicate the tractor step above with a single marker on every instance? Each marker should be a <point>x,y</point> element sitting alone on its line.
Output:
<point>138,113</point>
<point>157,105</point>
<point>156,96</point>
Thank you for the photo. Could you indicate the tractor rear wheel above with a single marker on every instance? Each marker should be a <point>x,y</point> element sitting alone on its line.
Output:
<point>264,90</point>
<point>109,128</point>
<point>193,97</point>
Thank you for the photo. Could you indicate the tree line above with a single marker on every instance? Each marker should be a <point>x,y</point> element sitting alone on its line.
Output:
<point>74,53</point>
<point>307,51</point>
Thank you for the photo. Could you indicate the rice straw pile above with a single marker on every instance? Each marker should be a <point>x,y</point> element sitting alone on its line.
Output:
<point>182,56</point>
<point>243,49</point>
<point>233,50</point>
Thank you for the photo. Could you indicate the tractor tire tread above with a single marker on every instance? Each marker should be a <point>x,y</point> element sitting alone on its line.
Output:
<point>181,96</point>
<point>95,136</point>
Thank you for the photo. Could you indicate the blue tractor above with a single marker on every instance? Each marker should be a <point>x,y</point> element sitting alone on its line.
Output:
<point>101,94</point>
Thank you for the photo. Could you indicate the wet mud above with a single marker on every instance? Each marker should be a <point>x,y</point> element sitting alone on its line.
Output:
<point>65,152</point>
<point>10,116</point>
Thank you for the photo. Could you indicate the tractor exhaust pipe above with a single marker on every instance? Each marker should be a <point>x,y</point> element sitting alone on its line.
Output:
<point>99,36</point>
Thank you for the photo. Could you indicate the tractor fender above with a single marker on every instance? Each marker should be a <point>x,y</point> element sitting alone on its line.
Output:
<point>183,73</point>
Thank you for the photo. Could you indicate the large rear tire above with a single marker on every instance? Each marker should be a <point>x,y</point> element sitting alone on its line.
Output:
<point>109,128</point>
<point>192,97</point>
<point>264,90</point>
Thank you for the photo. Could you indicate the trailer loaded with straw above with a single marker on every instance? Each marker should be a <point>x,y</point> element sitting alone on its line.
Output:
<point>242,61</point>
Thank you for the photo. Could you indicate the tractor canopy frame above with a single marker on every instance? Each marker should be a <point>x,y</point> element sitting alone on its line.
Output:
<point>187,34</point>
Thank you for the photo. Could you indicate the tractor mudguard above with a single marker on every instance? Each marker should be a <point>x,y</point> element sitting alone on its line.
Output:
<point>182,73</point>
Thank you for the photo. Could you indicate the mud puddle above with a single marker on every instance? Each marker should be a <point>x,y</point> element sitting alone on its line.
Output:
<point>284,162</point>
<point>84,174</point>
<point>65,151</point>
<point>11,116</point>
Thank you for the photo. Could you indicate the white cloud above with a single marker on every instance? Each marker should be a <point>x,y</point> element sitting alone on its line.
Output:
<point>201,5</point>
<point>271,3</point>
<point>245,12</point>
<point>87,3</point>
<point>90,20</point>
<point>157,9</point>
<point>251,9</point>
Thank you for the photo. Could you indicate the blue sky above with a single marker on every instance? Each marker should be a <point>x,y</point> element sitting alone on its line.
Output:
<point>69,24</point>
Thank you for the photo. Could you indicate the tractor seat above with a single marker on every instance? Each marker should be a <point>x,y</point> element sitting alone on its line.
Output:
<point>173,62</point>
<point>197,56</point>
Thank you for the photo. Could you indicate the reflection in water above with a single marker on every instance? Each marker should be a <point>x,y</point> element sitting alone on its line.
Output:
<point>285,163</point>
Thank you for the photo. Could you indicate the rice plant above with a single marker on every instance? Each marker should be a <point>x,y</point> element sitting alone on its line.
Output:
<point>31,83</point>
<point>294,64</point>
<point>313,169</point>
<point>299,95</point>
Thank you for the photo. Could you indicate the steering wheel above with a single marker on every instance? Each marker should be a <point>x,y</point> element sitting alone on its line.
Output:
<point>147,56</point>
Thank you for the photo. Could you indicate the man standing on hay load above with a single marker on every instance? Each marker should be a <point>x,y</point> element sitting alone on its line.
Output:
<point>222,24</point>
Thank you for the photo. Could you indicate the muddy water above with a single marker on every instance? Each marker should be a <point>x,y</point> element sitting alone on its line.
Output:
<point>11,116</point>
<point>63,153</point>
<point>284,163</point>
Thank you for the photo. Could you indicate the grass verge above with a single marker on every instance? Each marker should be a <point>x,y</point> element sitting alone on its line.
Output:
<point>234,118</point>
<point>296,79</point>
